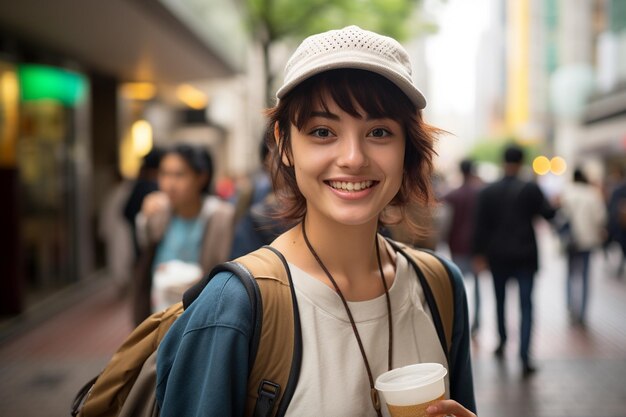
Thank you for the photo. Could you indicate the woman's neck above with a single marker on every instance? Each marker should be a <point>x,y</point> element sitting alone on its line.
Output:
<point>189,210</point>
<point>348,252</point>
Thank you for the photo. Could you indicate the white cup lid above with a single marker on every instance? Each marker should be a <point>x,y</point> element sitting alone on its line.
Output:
<point>411,376</point>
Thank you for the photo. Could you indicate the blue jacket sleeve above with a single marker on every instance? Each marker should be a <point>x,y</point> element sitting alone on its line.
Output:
<point>461,380</point>
<point>202,363</point>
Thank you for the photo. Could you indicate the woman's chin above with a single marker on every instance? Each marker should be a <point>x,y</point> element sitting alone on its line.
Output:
<point>352,219</point>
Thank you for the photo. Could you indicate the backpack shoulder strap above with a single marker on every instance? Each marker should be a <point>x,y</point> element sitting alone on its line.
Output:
<point>276,343</point>
<point>437,282</point>
<point>277,365</point>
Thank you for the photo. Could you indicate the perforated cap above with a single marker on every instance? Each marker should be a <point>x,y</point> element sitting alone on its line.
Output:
<point>351,47</point>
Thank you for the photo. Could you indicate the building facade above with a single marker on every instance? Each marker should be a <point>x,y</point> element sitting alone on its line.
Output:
<point>66,117</point>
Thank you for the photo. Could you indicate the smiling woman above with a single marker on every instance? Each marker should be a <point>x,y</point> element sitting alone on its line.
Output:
<point>347,142</point>
<point>357,94</point>
<point>335,147</point>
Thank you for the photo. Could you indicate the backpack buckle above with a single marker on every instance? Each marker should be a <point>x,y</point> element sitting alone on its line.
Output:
<point>269,389</point>
<point>268,392</point>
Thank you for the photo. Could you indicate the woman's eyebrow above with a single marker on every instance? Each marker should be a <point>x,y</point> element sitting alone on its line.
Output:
<point>325,115</point>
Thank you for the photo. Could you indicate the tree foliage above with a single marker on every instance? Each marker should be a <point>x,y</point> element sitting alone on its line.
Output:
<point>271,21</point>
<point>491,149</point>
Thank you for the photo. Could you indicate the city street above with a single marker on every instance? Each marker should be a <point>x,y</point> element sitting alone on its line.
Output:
<point>163,128</point>
<point>581,370</point>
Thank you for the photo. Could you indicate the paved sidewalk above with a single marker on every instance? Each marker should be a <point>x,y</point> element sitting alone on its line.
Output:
<point>42,369</point>
<point>582,371</point>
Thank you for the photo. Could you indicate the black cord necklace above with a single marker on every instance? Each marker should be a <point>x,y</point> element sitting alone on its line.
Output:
<point>373,392</point>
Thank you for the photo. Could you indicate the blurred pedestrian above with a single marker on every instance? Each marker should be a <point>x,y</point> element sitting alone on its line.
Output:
<point>617,222</point>
<point>253,188</point>
<point>258,227</point>
<point>181,222</point>
<point>462,202</point>
<point>584,210</point>
<point>613,179</point>
<point>145,184</point>
<point>505,243</point>
<point>117,235</point>
<point>259,224</point>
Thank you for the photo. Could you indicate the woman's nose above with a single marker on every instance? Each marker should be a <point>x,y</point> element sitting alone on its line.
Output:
<point>352,152</point>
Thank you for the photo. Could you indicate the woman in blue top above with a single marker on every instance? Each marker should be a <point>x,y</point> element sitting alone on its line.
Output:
<point>182,222</point>
<point>349,151</point>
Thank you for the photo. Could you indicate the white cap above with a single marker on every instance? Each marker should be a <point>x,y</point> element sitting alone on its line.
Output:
<point>351,47</point>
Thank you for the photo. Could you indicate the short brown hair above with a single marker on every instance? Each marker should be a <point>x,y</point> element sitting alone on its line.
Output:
<point>352,90</point>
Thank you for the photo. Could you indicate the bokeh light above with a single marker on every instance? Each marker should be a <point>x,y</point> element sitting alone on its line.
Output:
<point>142,137</point>
<point>558,166</point>
<point>541,165</point>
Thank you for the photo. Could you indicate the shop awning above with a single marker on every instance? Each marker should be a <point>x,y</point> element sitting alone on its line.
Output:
<point>135,40</point>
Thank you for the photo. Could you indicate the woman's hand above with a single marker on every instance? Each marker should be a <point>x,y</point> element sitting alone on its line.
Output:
<point>155,202</point>
<point>448,408</point>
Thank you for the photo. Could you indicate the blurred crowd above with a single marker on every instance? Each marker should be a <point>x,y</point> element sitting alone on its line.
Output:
<point>491,228</point>
<point>173,224</point>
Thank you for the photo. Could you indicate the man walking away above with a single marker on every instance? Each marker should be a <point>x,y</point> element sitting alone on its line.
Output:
<point>504,241</point>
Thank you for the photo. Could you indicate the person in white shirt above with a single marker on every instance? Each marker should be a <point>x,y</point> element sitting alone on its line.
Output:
<point>583,207</point>
<point>349,151</point>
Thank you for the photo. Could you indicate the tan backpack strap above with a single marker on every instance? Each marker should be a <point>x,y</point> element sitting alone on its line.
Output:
<point>440,284</point>
<point>439,281</point>
<point>277,364</point>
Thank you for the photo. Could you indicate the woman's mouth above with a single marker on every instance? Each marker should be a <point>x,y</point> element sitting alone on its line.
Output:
<point>351,186</point>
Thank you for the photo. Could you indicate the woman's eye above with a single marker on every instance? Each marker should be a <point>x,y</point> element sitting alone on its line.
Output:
<point>380,132</point>
<point>321,132</point>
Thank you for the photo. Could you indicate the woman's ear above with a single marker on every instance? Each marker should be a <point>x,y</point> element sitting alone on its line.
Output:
<point>277,137</point>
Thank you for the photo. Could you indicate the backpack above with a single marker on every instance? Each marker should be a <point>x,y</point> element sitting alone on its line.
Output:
<point>127,385</point>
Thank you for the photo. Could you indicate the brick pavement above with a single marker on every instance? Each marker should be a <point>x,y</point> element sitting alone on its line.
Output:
<point>582,372</point>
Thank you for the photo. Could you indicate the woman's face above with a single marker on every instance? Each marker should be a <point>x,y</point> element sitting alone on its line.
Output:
<point>181,183</point>
<point>347,168</point>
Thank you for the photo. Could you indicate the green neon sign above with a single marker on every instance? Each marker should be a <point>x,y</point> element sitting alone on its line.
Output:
<point>40,82</point>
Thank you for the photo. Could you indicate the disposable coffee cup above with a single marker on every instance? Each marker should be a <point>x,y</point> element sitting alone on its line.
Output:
<point>408,391</point>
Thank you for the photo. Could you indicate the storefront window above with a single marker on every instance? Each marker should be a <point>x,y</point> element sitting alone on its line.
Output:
<point>38,107</point>
<point>47,186</point>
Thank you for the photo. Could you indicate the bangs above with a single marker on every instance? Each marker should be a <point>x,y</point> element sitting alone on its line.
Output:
<point>354,91</point>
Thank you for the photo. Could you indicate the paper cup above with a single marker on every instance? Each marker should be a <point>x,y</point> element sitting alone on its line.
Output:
<point>409,390</point>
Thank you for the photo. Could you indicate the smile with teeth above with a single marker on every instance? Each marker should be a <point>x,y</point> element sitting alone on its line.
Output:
<point>350,186</point>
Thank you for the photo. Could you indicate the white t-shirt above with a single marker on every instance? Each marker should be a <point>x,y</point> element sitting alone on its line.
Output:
<point>333,380</point>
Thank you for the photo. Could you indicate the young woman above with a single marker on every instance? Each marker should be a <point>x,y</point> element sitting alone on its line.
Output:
<point>349,150</point>
<point>181,221</point>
